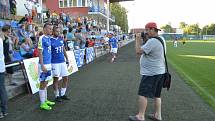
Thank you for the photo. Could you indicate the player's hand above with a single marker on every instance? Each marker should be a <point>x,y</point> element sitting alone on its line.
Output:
<point>138,37</point>
<point>67,63</point>
<point>44,69</point>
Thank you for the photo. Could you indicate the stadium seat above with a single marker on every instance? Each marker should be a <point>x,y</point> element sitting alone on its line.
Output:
<point>17,56</point>
<point>2,23</point>
<point>14,24</point>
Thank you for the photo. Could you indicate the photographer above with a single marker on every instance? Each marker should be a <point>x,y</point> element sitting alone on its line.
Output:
<point>152,69</point>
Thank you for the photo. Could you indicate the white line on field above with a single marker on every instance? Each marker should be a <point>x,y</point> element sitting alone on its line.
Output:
<point>196,84</point>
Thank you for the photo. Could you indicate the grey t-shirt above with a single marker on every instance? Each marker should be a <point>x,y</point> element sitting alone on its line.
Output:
<point>152,61</point>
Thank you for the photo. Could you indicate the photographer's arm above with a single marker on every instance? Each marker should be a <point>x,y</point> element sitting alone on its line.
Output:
<point>138,44</point>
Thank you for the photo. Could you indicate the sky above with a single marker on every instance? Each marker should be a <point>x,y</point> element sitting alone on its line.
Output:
<point>170,12</point>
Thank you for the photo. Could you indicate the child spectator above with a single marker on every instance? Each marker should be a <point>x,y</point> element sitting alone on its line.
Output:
<point>26,49</point>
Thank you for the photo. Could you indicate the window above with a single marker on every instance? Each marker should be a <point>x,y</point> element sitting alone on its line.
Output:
<point>65,3</point>
<point>79,3</point>
<point>74,3</point>
<point>70,3</point>
<point>83,2</point>
<point>61,3</point>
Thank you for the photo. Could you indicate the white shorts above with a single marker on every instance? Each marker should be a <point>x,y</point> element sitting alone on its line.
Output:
<point>49,68</point>
<point>60,70</point>
<point>113,50</point>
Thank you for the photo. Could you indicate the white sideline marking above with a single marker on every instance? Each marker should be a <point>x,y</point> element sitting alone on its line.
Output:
<point>196,84</point>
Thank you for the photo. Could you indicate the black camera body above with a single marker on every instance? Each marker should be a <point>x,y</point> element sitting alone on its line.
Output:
<point>144,36</point>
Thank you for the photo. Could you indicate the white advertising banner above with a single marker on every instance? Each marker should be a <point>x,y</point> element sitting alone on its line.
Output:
<point>72,68</point>
<point>32,71</point>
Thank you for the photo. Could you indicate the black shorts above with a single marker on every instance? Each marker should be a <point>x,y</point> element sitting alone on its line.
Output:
<point>151,86</point>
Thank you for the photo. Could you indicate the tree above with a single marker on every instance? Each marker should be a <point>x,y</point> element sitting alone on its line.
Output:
<point>208,30</point>
<point>120,13</point>
<point>194,29</point>
<point>167,28</point>
<point>182,25</point>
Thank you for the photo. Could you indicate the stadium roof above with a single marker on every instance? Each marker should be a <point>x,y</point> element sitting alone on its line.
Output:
<point>112,1</point>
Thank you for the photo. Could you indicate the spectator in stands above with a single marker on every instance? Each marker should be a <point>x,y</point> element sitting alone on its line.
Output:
<point>48,13</point>
<point>3,92</point>
<point>13,4</point>
<point>14,39</point>
<point>21,33</point>
<point>68,20</point>
<point>65,39</point>
<point>44,46</point>
<point>23,19</point>
<point>80,39</point>
<point>39,12</point>
<point>26,49</point>
<point>70,38</point>
<point>54,18</point>
<point>28,5</point>
<point>3,8</point>
<point>8,51</point>
<point>90,42</point>
<point>34,11</point>
<point>59,61</point>
<point>60,25</point>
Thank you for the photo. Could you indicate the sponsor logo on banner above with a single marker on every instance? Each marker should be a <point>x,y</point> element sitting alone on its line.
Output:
<point>89,55</point>
<point>79,57</point>
<point>72,68</point>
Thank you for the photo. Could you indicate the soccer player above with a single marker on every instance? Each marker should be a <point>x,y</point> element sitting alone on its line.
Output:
<point>44,46</point>
<point>113,42</point>
<point>59,65</point>
<point>175,42</point>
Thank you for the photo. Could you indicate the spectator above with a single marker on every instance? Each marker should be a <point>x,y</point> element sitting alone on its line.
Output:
<point>70,38</point>
<point>81,41</point>
<point>14,39</point>
<point>28,5</point>
<point>39,12</point>
<point>152,69</point>
<point>90,42</point>
<point>7,43</point>
<point>21,33</point>
<point>34,11</point>
<point>48,13</point>
<point>3,8</point>
<point>26,49</point>
<point>23,19</point>
<point>54,18</point>
<point>65,39</point>
<point>3,92</point>
<point>13,4</point>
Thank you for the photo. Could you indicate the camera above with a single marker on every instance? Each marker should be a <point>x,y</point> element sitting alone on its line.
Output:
<point>144,36</point>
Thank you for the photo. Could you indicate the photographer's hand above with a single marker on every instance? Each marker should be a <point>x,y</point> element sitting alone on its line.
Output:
<point>138,44</point>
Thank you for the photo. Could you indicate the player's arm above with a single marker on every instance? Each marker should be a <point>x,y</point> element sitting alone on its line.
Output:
<point>41,55</point>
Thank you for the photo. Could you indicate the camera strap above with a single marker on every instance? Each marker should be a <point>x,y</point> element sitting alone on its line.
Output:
<point>161,41</point>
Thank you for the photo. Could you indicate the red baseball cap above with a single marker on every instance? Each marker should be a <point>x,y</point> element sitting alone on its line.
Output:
<point>152,25</point>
